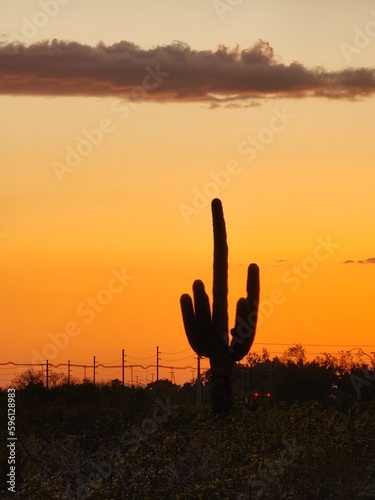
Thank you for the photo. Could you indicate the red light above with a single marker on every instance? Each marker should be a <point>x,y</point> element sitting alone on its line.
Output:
<point>268,394</point>
<point>255,394</point>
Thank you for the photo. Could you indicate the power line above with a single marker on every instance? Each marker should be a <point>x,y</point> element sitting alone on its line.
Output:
<point>179,359</point>
<point>144,350</point>
<point>134,357</point>
<point>47,366</point>
<point>179,352</point>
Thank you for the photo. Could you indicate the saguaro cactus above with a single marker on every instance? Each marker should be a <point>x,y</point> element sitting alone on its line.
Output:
<point>208,333</point>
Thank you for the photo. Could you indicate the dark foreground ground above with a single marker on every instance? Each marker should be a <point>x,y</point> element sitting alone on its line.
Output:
<point>137,445</point>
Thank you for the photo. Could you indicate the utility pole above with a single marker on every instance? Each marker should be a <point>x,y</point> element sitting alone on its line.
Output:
<point>131,376</point>
<point>84,373</point>
<point>68,371</point>
<point>123,366</point>
<point>172,375</point>
<point>157,370</point>
<point>199,381</point>
<point>47,374</point>
<point>137,377</point>
<point>94,374</point>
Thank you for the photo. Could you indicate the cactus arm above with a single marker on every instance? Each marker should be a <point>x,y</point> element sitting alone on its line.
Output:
<point>188,318</point>
<point>203,318</point>
<point>253,286</point>
<point>220,278</point>
<point>246,316</point>
<point>197,320</point>
<point>253,293</point>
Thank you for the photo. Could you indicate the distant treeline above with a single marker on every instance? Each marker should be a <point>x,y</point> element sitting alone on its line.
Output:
<point>337,381</point>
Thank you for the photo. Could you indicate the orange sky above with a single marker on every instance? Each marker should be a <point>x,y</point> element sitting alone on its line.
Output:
<point>299,203</point>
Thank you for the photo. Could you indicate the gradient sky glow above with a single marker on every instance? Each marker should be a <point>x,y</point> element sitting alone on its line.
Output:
<point>308,178</point>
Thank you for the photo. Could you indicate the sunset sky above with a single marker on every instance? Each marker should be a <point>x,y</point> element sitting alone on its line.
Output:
<point>121,120</point>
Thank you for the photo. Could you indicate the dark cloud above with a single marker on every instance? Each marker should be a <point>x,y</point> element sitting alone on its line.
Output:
<point>173,72</point>
<point>370,260</point>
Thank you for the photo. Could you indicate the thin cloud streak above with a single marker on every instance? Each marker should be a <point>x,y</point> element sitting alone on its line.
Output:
<point>370,260</point>
<point>228,77</point>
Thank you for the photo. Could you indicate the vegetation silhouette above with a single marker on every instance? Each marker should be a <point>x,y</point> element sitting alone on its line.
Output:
<point>208,333</point>
<point>312,438</point>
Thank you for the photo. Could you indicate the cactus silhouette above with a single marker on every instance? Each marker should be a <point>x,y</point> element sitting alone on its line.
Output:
<point>208,333</point>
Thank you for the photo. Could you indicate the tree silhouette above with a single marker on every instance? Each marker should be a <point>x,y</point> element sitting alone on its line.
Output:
<point>28,378</point>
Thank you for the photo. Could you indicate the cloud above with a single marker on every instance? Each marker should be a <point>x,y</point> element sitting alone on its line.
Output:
<point>370,260</point>
<point>172,72</point>
<point>232,105</point>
